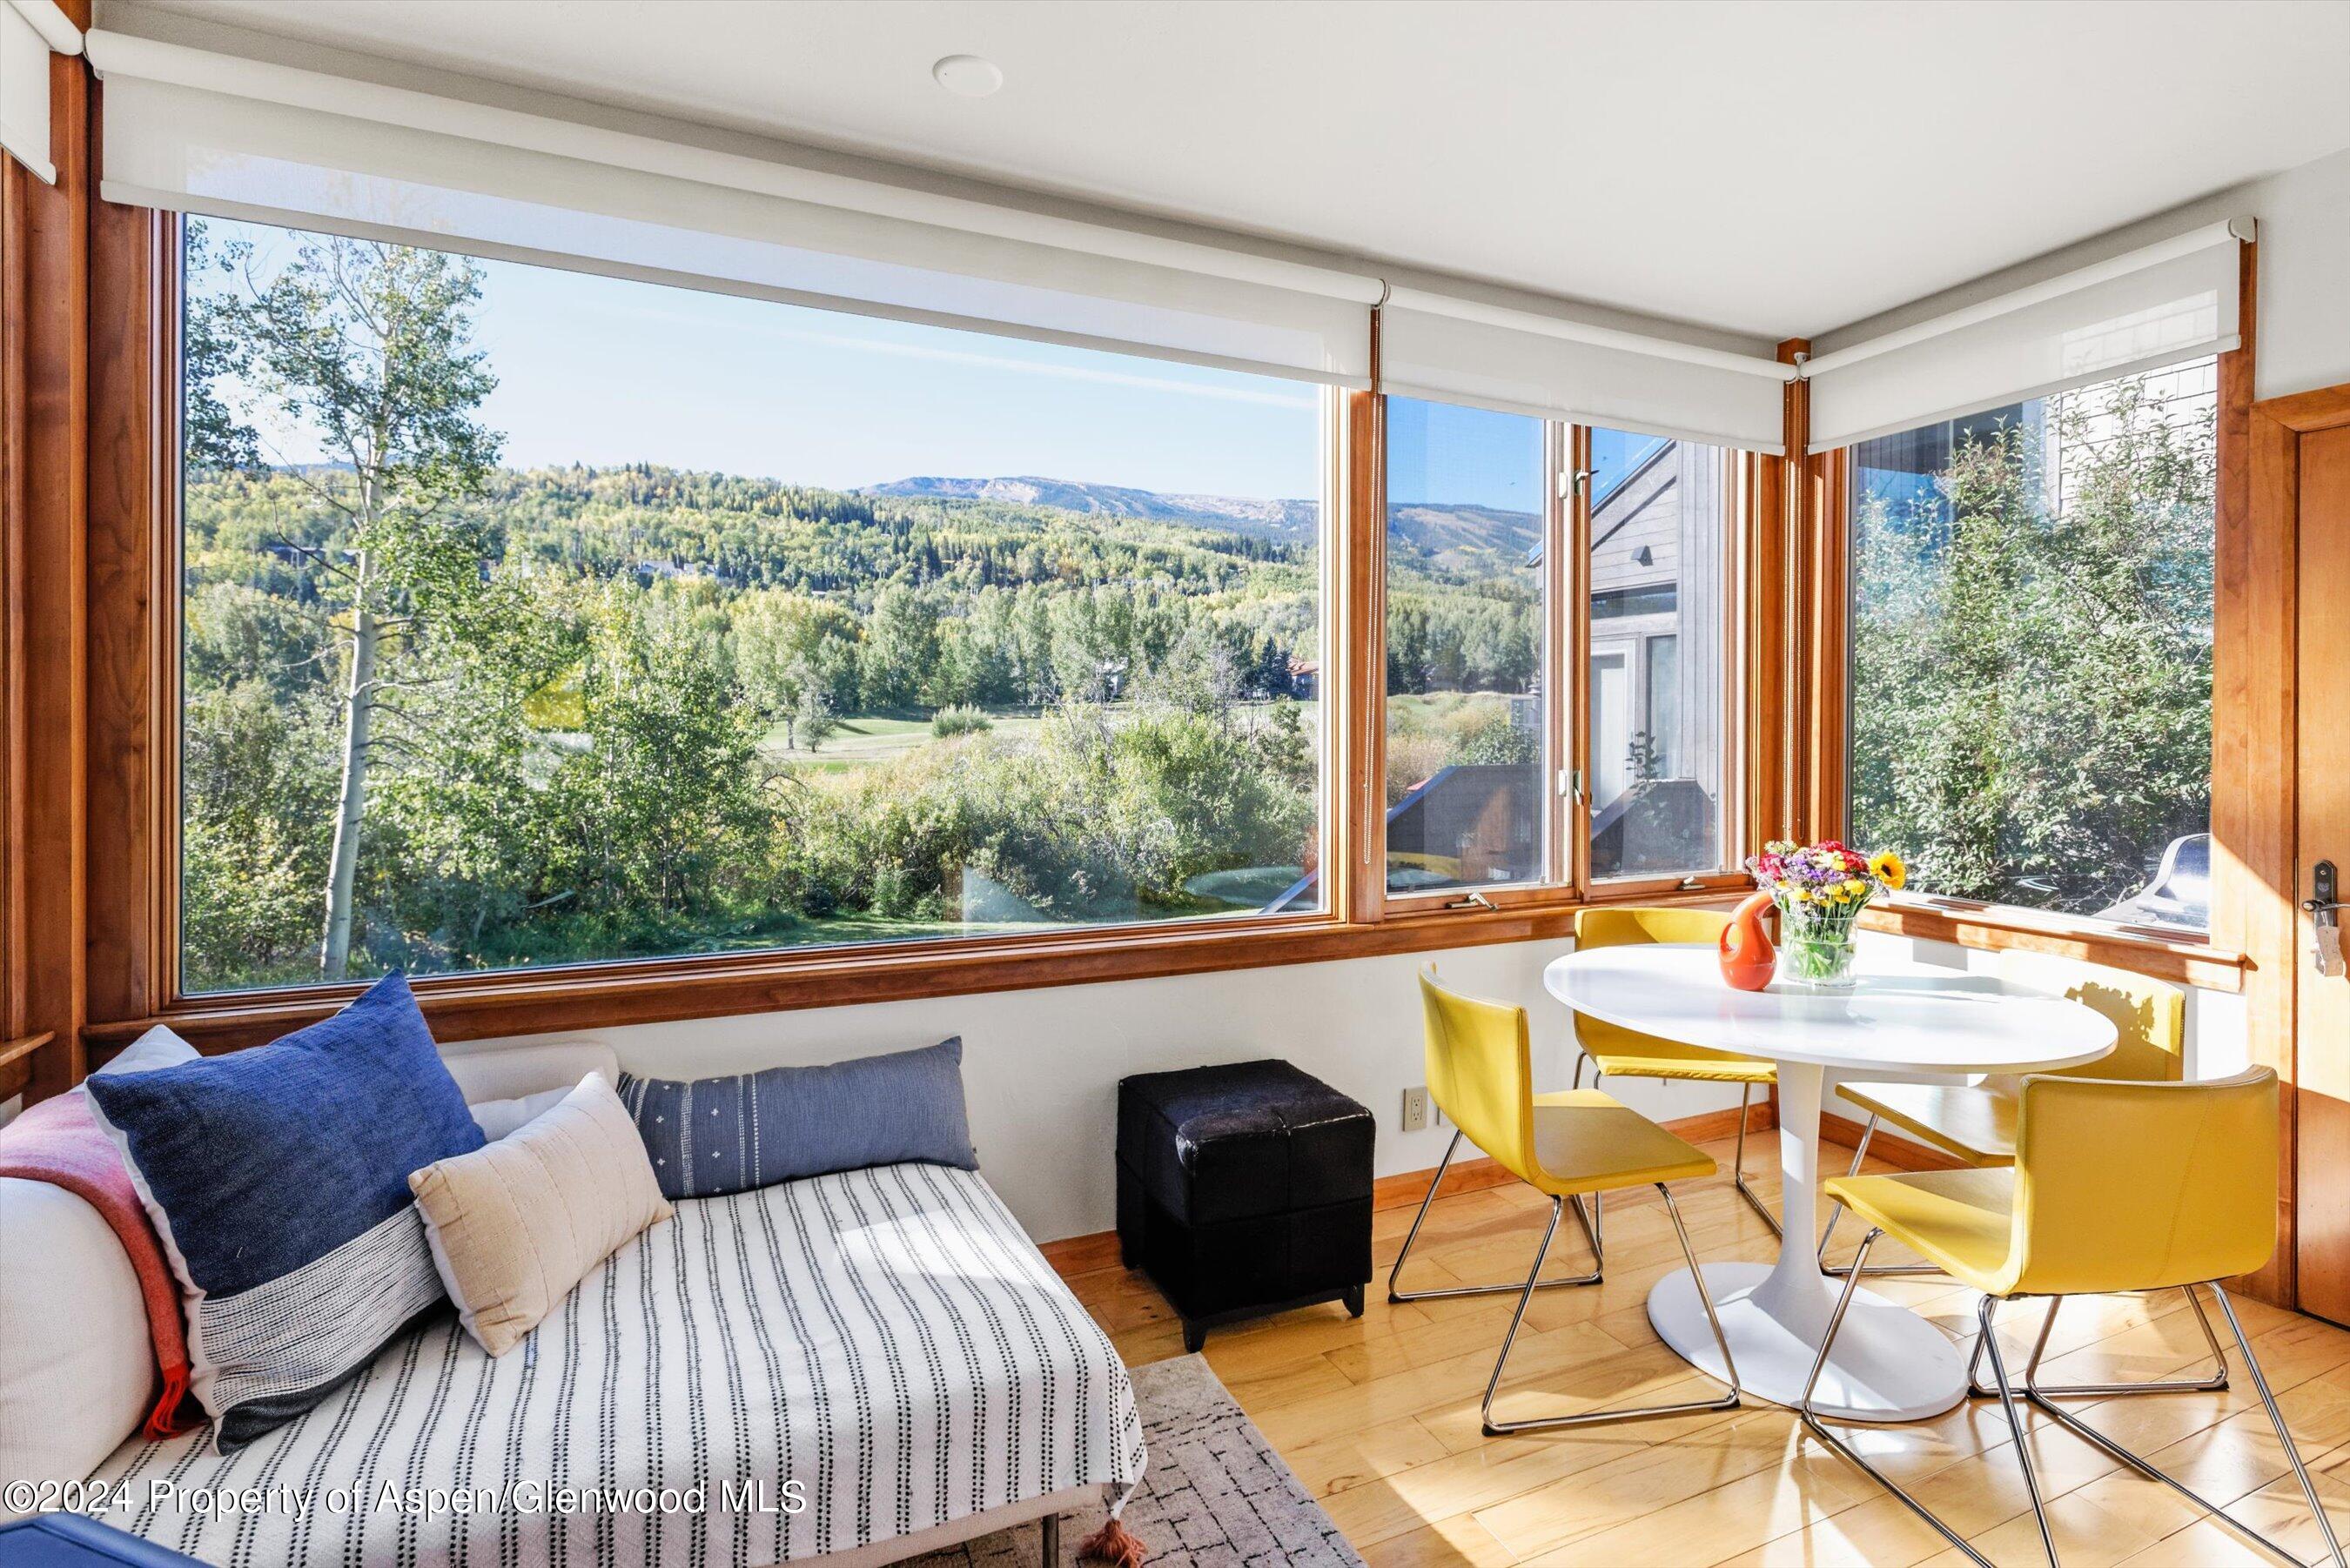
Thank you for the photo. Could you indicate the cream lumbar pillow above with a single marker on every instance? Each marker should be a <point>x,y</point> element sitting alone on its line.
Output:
<point>517,1223</point>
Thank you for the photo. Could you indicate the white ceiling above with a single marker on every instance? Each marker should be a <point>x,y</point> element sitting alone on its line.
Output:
<point>1771,168</point>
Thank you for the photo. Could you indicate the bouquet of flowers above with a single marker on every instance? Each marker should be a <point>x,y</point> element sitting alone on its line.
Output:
<point>1821,889</point>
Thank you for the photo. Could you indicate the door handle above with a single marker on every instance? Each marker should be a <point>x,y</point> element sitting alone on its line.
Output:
<point>2325,924</point>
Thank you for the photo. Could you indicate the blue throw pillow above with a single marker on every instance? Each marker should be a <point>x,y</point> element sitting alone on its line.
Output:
<point>277,1179</point>
<point>709,1136</point>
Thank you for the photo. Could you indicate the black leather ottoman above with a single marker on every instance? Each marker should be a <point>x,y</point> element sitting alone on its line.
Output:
<point>1244,1189</point>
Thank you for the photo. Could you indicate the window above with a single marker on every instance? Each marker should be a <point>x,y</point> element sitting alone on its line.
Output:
<point>1660,536</point>
<point>1466,723</point>
<point>2032,649</point>
<point>531,617</point>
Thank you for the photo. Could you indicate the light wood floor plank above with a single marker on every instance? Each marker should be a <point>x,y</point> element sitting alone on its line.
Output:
<point>1378,1415</point>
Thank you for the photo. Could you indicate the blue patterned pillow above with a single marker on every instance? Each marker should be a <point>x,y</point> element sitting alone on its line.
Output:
<point>709,1136</point>
<point>277,1179</point>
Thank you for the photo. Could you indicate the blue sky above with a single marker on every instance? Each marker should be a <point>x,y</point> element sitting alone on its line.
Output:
<point>1452,455</point>
<point>1446,453</point>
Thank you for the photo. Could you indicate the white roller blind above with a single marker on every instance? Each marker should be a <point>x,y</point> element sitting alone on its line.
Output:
<point>190,131</point>
<point>1434,349</point>
<point>25,93</point>
<point>2172,301</point>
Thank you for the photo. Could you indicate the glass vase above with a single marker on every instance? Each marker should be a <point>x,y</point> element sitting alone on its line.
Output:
<point>1815,956</point>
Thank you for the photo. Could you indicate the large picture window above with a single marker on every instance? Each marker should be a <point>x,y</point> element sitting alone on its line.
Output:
<point>2032,649</point>
<point>533,617</point>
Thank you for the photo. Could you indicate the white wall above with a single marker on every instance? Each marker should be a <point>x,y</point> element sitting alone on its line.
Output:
<point>1041,1067</point>
<point>2304,304</point>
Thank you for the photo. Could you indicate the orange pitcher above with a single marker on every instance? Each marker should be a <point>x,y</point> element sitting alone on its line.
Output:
<point>1747,955</point>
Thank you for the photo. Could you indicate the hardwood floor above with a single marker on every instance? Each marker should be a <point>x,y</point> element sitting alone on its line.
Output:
<point>1378,1416</point>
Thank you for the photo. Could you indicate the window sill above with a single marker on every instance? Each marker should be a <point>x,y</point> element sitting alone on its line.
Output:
<point>2185,960</point>
<point>485,1006</point>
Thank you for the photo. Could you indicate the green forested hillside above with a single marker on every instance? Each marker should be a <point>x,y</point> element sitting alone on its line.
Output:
<point>637,711</point>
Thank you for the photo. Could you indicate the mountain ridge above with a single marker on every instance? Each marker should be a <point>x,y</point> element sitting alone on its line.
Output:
<point>1281,519</point>
<point>1444,530</point>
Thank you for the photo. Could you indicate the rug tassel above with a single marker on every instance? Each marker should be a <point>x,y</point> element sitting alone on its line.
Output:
<point>1114,1545</point>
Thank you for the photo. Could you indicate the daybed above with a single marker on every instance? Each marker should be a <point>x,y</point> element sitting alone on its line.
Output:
<point>885,1345</point>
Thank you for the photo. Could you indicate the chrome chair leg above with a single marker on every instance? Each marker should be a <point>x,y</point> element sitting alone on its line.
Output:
<point>1818,1428</point>
<point>2080,1428</point>
<point>1729,1401</point>
<point>1590,1227</point>
<point>1593,1216</point>
<point>2211,1384</point>
<point>1989,1340</point>
<point>1738,1167</point>
<point>1860,1153</point>
<point>2276,1419</point>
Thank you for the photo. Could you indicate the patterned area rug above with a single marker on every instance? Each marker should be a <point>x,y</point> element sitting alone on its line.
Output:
<point>1215,1494</point>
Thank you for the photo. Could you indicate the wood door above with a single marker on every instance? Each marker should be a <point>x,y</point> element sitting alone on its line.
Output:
<point>2322,1160</point>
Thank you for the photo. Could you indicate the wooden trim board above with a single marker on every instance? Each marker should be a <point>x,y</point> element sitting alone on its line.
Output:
<point>2179,960</point>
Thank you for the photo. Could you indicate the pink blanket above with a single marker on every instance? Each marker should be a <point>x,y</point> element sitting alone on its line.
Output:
<point>60,1141</point>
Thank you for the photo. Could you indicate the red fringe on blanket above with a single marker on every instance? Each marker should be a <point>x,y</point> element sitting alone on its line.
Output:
<point>1114,1545</point>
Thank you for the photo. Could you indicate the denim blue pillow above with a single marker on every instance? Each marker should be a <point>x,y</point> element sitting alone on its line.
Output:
<point>277,1179</point>
<point>709,1136</point>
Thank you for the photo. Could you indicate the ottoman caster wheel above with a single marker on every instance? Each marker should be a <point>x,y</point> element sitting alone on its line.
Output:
<point>1195,1338</point>
<point>1354,1299</point>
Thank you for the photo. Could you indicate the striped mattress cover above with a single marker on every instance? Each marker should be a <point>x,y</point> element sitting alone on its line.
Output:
<point>885,1345</point>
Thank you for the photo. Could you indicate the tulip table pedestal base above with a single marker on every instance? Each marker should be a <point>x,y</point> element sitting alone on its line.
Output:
<point>1890,1365</point>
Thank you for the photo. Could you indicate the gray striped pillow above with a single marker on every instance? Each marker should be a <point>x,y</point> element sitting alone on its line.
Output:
<point>709,1136</point>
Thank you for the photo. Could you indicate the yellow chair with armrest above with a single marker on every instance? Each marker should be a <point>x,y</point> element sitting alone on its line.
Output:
<point>1615,1051</point>
<point>1565,1145</point>
<point>2115,1187</point>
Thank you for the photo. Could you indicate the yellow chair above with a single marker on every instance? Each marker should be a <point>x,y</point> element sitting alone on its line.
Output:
<point>1976,1123</point>
<point>1615,1051</point>
<point>2117,1187</point>
<point>1564,1144</point>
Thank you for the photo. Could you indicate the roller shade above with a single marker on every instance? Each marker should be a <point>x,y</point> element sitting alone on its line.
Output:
<point>1449,350</point>
<point>30,31</point>
<point>192,130</point>
<point>2155,306</point>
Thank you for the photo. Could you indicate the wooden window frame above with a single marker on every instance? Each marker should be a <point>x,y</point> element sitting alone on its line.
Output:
<point>133,716</point>
<point>1742,526</point>
<point>47,379</point>
<point>1566,880</point>
<point>1556,883</point>
<point>2219,959</point>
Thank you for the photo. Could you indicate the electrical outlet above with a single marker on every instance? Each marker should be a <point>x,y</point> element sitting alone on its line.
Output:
<point>1415,1108</point>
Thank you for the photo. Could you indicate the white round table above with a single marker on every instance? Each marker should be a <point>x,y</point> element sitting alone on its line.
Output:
<point>1890,1365</point>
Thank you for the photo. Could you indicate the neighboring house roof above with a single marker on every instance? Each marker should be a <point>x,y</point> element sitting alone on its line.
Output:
<point>1601,497</point>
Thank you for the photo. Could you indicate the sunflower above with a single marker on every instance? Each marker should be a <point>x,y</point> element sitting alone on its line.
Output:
<point>1887,867</point>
